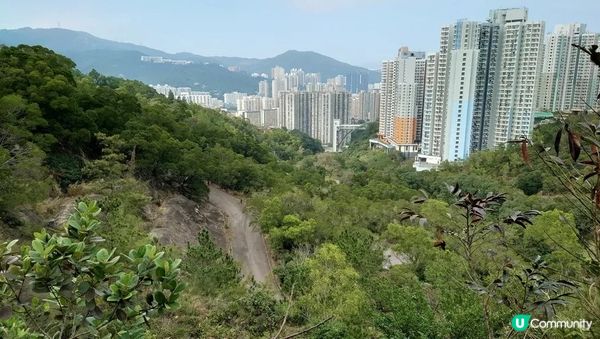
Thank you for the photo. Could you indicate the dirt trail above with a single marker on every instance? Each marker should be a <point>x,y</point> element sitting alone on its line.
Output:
<point>247,244</point>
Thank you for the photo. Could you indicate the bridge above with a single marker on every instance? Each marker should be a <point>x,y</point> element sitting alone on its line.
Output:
<point>341,133</point>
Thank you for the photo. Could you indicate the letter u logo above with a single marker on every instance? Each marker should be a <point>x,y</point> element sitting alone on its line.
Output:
<point>520,322</point>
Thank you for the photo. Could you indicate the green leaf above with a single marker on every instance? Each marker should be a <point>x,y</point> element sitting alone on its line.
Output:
<point>160,298</point>
<point>11,244</point>
<point>84,287</point>
<point>149,298</point>
<point>102,255</point>
<point>37,245</point>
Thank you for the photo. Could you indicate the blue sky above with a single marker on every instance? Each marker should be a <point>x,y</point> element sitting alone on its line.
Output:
<point>361,32</point>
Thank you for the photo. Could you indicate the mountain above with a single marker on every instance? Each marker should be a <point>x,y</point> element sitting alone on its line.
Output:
<point>123,60</point>
<point>307,60</point>
<point>205,73</point>
<point>59,39</point>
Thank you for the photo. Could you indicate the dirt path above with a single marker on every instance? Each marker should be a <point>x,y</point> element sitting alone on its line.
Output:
<point>247,243</point>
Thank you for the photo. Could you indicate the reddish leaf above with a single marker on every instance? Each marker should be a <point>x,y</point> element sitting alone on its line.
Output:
<point>594,150</point>
<point>440,243</point>
<point>574,144</point>
<point>557,141</point>
<point>524,151</point>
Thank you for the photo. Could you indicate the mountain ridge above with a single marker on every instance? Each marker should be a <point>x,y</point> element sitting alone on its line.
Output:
<point>209,73</point>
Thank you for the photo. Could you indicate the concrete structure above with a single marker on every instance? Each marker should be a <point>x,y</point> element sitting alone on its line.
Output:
<point>408,151</point>
<point>342,133</point>
<point>426,162</point>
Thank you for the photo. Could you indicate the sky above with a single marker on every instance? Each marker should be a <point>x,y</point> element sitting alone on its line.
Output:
<point>360,32</point>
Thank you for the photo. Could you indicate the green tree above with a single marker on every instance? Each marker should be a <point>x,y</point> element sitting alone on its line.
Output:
<point>111,164</point>
<point>23,178</point>
<point>66,286</point>
<point>334,289</point>
<point>293,233</point>
<point>211,271</point>
<point>531,182</point>
<point>556,244</point>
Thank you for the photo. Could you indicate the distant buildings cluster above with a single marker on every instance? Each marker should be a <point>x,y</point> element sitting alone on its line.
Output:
<point>294,100</point>
<point>186,94</point>
<point>299,100</point>
<point>161,60</point>
<point>483,86</point>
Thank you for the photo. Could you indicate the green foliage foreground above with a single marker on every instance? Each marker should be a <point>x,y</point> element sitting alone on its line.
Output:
<point>364,246</point>
<point>66,286</point>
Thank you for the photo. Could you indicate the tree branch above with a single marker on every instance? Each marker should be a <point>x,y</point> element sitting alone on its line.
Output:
<point>309,329</point>
<point>287,312</point>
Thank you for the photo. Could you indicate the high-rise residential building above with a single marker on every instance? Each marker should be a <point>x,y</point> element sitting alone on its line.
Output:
<point>268,103</point>
<point>568,79</point>
<point>313,112</point>
<point>431,137</point>
<point>336,84</point>
<point>480,88</point>
<point>277,86</point>
<point>264,88</point>
<point>312,78</point>
<point>279,83</point>
<point>420,68</point>
<point>270,117</point>
<point>252,103</point>
<point>357,81</point>
<point>461,71</point>
<point>295,79</point>
<point>278,72</point>
<point>389,88</point>
<point>486,81</point>
<point>520,64</point>
<point>230,99</point>
<point>398,105</point>
<point>375,104</point>
<point>365,106</point>
<point>470,76</point>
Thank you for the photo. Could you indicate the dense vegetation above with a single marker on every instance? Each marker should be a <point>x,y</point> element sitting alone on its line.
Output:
<point>365,247</point>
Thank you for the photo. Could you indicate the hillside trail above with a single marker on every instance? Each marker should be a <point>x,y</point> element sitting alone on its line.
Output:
<point>248,247</point>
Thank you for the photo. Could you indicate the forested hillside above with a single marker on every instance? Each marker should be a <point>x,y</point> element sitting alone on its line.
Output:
<point>364,246</point>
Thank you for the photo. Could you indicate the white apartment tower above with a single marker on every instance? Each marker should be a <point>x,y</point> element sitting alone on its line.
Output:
<point>568,79</point>
<point>264,88</point>
<point>432,120</point>
<point>314,112</point>
<point>518,79</point>
<point>399,96</point>
<point>389,87</point>
<point>450,91</point>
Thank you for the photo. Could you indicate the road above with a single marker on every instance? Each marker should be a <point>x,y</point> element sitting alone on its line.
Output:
<point>247,243</point>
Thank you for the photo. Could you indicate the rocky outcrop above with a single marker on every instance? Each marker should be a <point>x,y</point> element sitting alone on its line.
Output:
<point>177,220</point>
